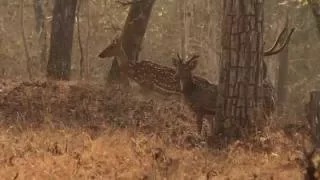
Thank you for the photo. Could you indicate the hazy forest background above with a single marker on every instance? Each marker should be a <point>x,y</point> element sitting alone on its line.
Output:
<point>165,145</point>
<point>99,21</point>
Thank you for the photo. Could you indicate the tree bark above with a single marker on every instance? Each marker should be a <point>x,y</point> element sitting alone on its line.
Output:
<point>315,8</point>
<point>42,31</point>
<point>59,64</point>
<point>313,114</point>
<point>240,91</point>
<point>135,28</point>
<point>39,14</point>
<point>134,31</point>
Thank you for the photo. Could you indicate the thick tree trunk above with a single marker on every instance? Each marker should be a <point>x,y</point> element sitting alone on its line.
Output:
<point>184,26</point>
<point>133,32</point>
<point>59,64</point>
<point>240,83</point>
<point>135,28</point>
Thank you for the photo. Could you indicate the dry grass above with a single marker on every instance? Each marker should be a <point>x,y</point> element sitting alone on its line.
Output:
<point>40,139</point>
<point>122,154</point>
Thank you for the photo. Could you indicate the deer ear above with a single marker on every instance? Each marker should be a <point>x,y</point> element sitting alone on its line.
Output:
<point>192,64</point>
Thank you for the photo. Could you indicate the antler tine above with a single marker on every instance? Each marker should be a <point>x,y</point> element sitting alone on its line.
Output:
<point>268,53</point>
<point>179,57</point>
<point>271,50</point>
<point>194,57</point>
<point>277,40</point>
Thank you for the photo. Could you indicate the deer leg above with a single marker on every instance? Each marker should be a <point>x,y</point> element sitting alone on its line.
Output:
<point>199,117</point>
<point>124,67</point>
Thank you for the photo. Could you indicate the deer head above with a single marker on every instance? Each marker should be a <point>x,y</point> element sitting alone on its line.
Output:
<point>112,50</point>
<point>184,70</point>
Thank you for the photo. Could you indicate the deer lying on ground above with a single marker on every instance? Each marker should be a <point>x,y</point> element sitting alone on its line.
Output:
<point>201,100</point>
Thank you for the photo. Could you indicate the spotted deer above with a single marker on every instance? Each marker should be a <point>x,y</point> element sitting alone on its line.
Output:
<point>201,100</point>
<point>147,74</point>
<point>160,78</point>
<point>115,49</point>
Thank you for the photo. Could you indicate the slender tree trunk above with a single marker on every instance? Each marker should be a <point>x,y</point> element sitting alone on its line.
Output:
<point>42,32</point>
<point>59,64</point>
<point>315,8</point>
<point>313,114</point>
<point>184,25</point>
<point>39,14</point>
<point>283,59</point>
<point>240,82</point>
<point>135,28</point>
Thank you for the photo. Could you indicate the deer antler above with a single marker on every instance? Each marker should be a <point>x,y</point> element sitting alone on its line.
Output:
<point>277,40</point>
<point>179,57</point>
<point>271,51</point>
<point>194,57</point>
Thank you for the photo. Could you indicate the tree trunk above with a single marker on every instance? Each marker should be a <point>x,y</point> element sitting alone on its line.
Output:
<point>240,82</point>
<point>39,14</point>
<point>59,64</point>
<point>283,59</point>
<point>184,27</point>
<point>313,114</point>
<point>315,8</point>
<point>134,30</point>
<point>42,32</point>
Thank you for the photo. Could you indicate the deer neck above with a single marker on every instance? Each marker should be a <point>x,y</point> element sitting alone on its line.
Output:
<point>188,86</point>
<point>123,55</point>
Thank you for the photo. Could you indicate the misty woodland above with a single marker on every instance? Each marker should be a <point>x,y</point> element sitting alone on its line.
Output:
<point>160,89</point>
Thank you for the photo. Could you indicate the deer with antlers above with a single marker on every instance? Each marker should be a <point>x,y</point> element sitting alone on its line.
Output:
<point>201,100</point>
<point>162,77</point>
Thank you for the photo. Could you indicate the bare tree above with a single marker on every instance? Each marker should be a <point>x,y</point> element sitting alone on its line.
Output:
<point>59,64</point>
<point>283,59</point>
<point>24,39</point>
<point>41,29</point>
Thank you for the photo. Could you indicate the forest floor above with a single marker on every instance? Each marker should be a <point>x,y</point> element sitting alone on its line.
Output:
<point>76,130</point>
